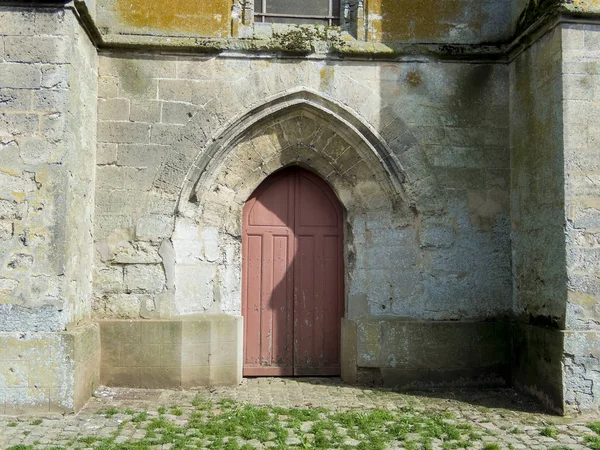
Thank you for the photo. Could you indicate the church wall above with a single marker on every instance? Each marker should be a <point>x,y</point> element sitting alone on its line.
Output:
<point>434,21</point>
<point>537,218</point>
<point>48,139</point>
<point>48,87</point>
<point>581,87</point>
<point>156,115</point>
<point>439,250</point>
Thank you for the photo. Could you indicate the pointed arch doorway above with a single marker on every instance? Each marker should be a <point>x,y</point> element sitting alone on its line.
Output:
<point>292,277</point>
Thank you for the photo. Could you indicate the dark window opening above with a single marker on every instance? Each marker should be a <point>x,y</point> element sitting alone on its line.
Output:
<point>318,12</point>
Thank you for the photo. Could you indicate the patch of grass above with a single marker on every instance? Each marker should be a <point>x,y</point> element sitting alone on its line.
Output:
<point>26,433</point>
<point>593,442</point>
<point>516,430</point>
<point>455,445</point>
<point>227,403</point>
<point>202,404</point>
<point>129,412</point>
<point>87,440</point>
<point>36,422</point>
<point>176,411</point>
<point>594,426</point>
<point>141,417</point>
<point>21,447</point>
<point>247,422</point>
<point>560,447</point>
<point>11,424</point>
<point>549,432</point>
<point>490,446</point>
<point>109,412</point>
<point>224,425</point>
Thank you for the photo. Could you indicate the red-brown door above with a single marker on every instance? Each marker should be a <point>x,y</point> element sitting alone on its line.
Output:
<point>292,277</point>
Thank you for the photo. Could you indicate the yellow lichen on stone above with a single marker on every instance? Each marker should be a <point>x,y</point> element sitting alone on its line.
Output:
<point>399,20</point>
<point>204,18</point>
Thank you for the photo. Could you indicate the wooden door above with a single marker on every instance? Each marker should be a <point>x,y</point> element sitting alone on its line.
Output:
<point>292,277</point>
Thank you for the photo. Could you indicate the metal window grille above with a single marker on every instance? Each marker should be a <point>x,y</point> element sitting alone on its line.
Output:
<point>263,12</point>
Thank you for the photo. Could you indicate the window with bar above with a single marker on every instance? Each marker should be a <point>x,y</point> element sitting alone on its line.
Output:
<point>320,12</point>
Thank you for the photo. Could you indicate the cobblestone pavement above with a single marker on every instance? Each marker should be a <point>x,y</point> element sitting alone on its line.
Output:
<point>302,413</point>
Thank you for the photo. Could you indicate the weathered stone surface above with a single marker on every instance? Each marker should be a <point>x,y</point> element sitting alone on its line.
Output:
<point>470,187</point>
<point>144,278</point>
<point>202,350</point>
<point>46,182</point>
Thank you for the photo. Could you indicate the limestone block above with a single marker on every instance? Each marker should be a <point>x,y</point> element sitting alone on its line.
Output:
<point>145,111</point>
<point>40,372</point>
<point>106,153</point>
<point>122,306</point>
<point>36,49</point>
<point>177,113</point>
<point>19,124</point>
<point>165,134</point>
<point>140,155</point>
<point>108,87</point>
<point>154,227</point>
<point>109,279</point>
<point>20,76</point>
<point>188,252</point>
<point>186,229</point>
<point>200,350</point>
<point>210,239</point>
<point>53,23</point>
<point>50,100</point>
<point>123,132</point>
<point>194,287</point>
<point>15,99</point>
<point>105,225</point>
<point>432,234</point>
<point>149,67</point>
<point>145,278</point>
<point>136,252</point>
<point>53,125</point>
<point>7,286</point>
<point>177,90</point>
<point>18,23</point>
<point>113,109</point>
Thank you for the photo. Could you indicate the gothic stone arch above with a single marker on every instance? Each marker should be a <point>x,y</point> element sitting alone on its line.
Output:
<point>300,129</point>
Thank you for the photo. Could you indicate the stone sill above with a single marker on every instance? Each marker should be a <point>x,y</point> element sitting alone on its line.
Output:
<point>311,49</point>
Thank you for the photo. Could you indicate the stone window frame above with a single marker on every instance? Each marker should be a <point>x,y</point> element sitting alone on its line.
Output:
<point>352,16</point>
<point>333,17</point>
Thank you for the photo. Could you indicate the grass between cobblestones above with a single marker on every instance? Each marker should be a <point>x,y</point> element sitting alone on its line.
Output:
<point>228,425</point>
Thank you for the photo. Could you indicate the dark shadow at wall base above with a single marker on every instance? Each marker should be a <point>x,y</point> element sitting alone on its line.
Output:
<point>391,353</point>
<point>537,355</point>
<point>491,397</point>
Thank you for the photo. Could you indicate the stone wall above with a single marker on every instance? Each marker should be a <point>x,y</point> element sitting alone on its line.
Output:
<point>537,212</point>
<point>454,21</point>
<point>434,246</point>
<point>48,93</point>
<point>581,104</point>
<point>425,21</point>
<point>47,137</point>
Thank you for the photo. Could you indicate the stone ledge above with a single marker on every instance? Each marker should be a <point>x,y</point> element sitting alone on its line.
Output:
<point>48,372</point>
<point>199,350</point>
<point>431,354</point>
